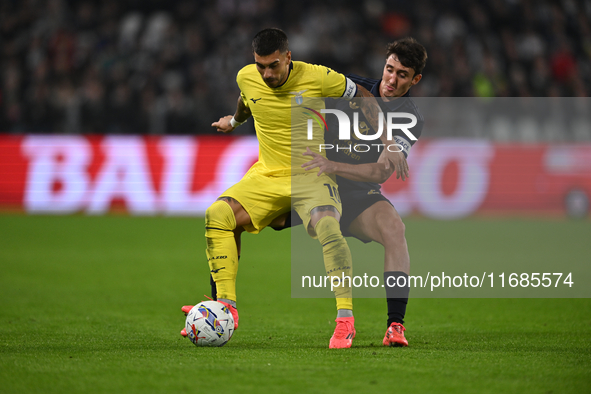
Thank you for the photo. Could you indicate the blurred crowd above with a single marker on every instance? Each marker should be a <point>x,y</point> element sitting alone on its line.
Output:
<point>169,67</point>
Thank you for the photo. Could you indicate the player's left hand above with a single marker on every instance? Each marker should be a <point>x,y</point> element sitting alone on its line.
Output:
<point>397,161</point>
<point>320,162</point>
<point>223,125</point>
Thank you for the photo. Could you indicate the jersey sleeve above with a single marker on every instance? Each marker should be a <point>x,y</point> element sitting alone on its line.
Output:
<point>244,100</point>
<point>406,137</point>
<point>240,82</point>
<point>368,83</point>
<point>335,84</point>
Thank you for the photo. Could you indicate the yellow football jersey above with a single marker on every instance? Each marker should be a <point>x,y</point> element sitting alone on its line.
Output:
<point>272,110</point>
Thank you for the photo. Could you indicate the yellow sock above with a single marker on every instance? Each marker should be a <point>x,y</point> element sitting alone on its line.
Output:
<point>337,258</point>
<point>222,254</point>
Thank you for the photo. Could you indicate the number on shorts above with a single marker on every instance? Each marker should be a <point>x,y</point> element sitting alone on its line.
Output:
<point>334,192</point>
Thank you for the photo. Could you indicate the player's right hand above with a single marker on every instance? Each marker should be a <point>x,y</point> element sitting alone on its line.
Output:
<point>395,162</point>
<point>318,161</point>
<point>223,125</point>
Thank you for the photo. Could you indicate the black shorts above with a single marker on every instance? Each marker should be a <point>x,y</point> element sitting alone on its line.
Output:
<point>354,203</point>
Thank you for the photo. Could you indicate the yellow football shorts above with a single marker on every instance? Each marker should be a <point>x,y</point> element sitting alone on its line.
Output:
<point>266,197</point>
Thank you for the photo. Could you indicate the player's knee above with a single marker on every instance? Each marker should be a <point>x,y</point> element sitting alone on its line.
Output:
<point>328,230</point>
<point>317,213</point>
<point>393,231</point>
<point>220,216</point>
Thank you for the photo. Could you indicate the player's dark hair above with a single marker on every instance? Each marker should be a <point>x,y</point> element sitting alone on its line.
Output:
<point>410,53</point>
<point>268,41</point>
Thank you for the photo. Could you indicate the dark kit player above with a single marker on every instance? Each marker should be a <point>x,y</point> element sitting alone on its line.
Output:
<point>367,214</point>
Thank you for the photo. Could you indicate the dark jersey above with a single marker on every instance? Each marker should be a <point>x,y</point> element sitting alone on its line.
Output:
<point>357,154</point>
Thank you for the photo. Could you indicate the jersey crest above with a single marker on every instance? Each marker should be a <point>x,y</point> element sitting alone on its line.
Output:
<point>298,96</point>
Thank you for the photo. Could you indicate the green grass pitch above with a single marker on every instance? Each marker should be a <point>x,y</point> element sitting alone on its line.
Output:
<point>92,304</point>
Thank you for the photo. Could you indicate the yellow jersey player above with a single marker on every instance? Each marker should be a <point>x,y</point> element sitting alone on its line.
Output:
<point>265,192</point>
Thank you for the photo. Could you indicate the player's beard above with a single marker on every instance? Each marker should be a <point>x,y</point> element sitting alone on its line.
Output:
<point>271,82</point>
<point>274,82</point>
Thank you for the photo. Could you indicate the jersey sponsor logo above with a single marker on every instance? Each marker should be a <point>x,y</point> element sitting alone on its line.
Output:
<point>363,128</point>
<point>298,96</point>
<point>255,100</point>
<point>373,191</point>
<point>216,271</point>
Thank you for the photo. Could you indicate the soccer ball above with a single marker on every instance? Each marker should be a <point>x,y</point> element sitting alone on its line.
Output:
<point>209,323</point>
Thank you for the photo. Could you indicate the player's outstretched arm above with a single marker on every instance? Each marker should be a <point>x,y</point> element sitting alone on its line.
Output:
<point>387,158</point>
<point>225,124</point>
<point>370,172</point>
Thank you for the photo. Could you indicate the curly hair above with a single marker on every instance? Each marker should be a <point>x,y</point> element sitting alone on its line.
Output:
<point>410,53</point>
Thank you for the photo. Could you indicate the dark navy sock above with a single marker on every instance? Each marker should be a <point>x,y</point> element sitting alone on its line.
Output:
<point>397,290</point>
<point>214,289</point>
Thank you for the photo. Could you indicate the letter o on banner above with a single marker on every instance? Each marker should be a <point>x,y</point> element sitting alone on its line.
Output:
<point>472,158</point>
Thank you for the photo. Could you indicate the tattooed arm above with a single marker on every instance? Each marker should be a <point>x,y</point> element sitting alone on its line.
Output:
<point>242,114</point>
<point>371,109</point>
<point>369,106</point>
